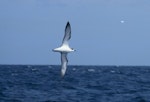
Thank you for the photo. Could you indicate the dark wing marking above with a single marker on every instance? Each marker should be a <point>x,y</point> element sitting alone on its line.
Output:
<point>67,35</point>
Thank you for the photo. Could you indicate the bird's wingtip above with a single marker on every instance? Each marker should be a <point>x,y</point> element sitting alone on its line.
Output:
<point>62,75</point>
<point>68,23</point>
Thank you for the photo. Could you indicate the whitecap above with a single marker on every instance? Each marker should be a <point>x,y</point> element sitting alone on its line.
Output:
<point>33,69</point>
<point>112,71</point>
<point>91,70</point>
<point>74,69</point>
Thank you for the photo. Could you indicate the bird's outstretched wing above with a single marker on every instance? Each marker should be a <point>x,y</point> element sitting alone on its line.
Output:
<point>64,62</point>
<point>67,35</point>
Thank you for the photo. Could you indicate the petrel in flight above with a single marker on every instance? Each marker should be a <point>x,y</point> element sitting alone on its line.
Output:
<point>64,49</point>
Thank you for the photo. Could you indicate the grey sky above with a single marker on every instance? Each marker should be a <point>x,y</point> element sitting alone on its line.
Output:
<point>30,29</point>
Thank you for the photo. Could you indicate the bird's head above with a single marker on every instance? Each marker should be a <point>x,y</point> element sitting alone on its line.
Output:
<point>73,49</point>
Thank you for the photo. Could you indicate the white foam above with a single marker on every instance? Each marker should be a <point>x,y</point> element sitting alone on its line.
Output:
<point>91,70</point>
<point>33,69</point>
<point>74,69</point>
<point>112,71</point>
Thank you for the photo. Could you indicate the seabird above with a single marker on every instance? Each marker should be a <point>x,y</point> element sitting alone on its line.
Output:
<point>64,49</point>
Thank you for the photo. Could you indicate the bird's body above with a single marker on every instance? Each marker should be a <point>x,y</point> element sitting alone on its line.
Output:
<point>64,49</point>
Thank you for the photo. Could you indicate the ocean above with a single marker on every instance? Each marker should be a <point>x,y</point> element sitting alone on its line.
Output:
<point>43,83</point>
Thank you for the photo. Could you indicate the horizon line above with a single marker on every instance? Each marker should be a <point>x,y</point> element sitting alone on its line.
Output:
<point>76,65</point>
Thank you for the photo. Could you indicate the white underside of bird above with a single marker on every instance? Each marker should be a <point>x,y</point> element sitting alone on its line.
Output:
<point>64,49</point>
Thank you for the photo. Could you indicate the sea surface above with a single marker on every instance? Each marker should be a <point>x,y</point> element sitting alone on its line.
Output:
<point>43,83</point>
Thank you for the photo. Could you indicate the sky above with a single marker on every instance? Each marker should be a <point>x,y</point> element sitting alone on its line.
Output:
<point>104,32</point>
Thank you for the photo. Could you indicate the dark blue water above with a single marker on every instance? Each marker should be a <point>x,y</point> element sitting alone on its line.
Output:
<point>24,83</point>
